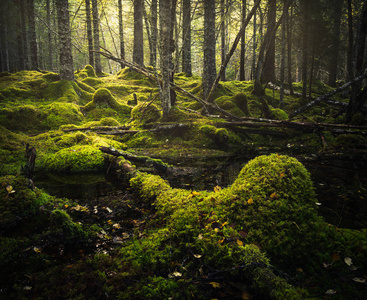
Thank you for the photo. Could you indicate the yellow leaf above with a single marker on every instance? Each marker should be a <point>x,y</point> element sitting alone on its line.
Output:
<point>215,285</point>
<point>281,174</point>
<point>66,206</point>
<point>250,201</point>
<point>240,243</point>
<point>193,194</point>
<point>217,188</point>
<point>37,249</point>
<point>274,196</point>
<point>221,240</point>
<point>110,222</point>
<point>9,188</point>
<point>224,224</point>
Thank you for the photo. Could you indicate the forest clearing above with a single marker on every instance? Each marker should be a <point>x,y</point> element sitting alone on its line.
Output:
<point>216,178</point>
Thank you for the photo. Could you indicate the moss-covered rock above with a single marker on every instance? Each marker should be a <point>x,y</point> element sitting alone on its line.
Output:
<point>18,200</point>
<point>26,118</point>
<point>76,159</point>
<point>226,103</point>
<point>61,91</point>
<point>143,113</point>
<point>59,113</point>
<point>103,98</point>
<point>240,99</point>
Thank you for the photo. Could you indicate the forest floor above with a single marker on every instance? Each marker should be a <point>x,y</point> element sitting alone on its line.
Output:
<point>78,226</point>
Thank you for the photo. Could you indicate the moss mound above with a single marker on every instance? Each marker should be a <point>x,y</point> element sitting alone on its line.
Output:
<point>78,158</point>
<point>227,103</point>
<point>18,200</point>
<point>59,113</point>
<point>103,98</point>
<point>143,113</point>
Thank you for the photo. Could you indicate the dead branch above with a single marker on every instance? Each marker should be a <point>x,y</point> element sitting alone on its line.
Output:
<point>327,96</point>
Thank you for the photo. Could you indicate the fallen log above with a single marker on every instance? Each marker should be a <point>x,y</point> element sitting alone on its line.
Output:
<point>96,128</point>
<point>156,163</point>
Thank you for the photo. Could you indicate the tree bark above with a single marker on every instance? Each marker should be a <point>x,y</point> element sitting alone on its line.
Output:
<point>89,32</point>
<point>66,58</point>
<point>186,37</point>
<point>334,50</point>
<point>268,71</point>
<point>97,58</point>
<point>209,68</point>
<point>243,44</point>
<point>49,36</point>
<point>138,54</point>
<point>33,47</point>
<point>223,30</point>
<point>154,33</point>
<point>305,27</point>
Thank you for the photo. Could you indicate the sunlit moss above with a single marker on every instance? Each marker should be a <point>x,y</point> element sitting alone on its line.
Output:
<point>59,113</point>
<point>144,113</point>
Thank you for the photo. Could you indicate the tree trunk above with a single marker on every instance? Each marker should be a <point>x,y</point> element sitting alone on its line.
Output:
<point>89,32</point>
<point>66,58</point>
<point>305,25</point>
<point>268,71</point>
<point>172,48</point>
<point>154,33</point>
<point>358,98</point>
<point>186,37</point>
<point>243,43</point>
<point>209,69</point>
<point>254,46</point>
<point>334,50</point>
<point>165,22</point>
<point>289,19</point>
<point>49,36</point>
<point>138,54</point>
<point>97,58</point>
<point>223,36</point>
<point>282,57</point>
<point>33,47</point>
<point>20,42</point>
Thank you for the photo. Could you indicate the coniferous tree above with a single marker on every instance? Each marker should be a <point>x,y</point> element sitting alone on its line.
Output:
<point>209,68</point>
<point>243,43</point>
<point>33,47</point>
<point>66,58</point>
<point>89,32</point>
<point>186,37</point>
<point>97,57</point>
<point>154,33</point>
<point>138,51</point>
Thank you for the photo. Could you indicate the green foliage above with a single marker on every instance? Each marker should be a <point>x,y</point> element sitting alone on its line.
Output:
<point>240,99</point>
<point>75,159</point>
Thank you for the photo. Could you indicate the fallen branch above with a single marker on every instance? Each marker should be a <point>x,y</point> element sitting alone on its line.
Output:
<point>157,164</point>
<point>95,128</point>
<point>327,96</point>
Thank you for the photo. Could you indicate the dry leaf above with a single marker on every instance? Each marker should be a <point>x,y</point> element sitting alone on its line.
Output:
<point>250,201</point>
<point>215,285</point>
<point>330,292</point>
<point>360,280</point>
<point>200,236</point>
<point>217,188</point>
<point>274,196</point>
<point>239,243</point>
<point>348,261</point>
<point>242,234</point>
<point>198,256</point>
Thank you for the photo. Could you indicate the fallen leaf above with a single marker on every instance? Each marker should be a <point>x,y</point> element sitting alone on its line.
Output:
<point>330,292</point>
<point>37,249</point>
<point>224,224</point>
<point>198,256</point>
<point>239,243</point>
<point>250,201</point>
<point>242,234</point>
<point>360,280</point>
<point>193,194</point>
<point>116,226</point>
<point>217,188</point>
<point>200,236</point>
<point>348,261</point>
<point>174,274</point>
<point>215,285</point>
<point>274,196</point>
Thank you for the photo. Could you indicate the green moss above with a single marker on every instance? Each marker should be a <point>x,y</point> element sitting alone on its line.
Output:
<point>240,99</point>
<point>76,159</point>
<point>278,114</point>
<point>226,103</point>
<point>18,200</point>
<point>61,91</point>
<point>63,113</point>
<point>93,82</point>
<point>103,98</point>
<point>31,118</point>
<point>350,141</point>
<point>51,76</point>
<point>143,113</point>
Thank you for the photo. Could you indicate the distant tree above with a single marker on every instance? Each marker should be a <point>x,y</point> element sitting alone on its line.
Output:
<point>186,37</point>
<point>165,54</point>
<point>223,35</point>
<point>268,71</point>
<point>209,68</point>
<point>154,33</point>
<point>49,36</point>
<point>138,51</point>
<point>243,43</point>
<point>89,32</point>
<point>33,47</point>
<point>97,57</point>
<point>305,46</point>
<point>66,58</point>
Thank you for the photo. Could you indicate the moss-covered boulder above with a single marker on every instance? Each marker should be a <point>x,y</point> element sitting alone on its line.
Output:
<point>18,200</point>
<point>103,98</point>
<point>241,100</point>
<point>59,113</point>
<point>143,113</point>
<point>26,118</point>
<point>226,103</point>
<point>77,158</point>
<point>61,91</point>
